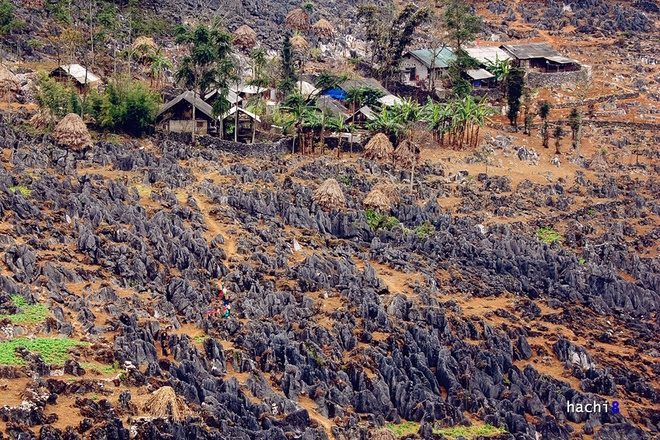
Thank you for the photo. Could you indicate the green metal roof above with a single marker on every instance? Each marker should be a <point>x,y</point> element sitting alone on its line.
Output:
<point>441,57</point>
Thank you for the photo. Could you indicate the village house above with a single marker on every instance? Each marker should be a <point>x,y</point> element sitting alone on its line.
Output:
<point>176,115</point>
<point>540,57</point>
<point>246,128</point>
<point>424,65</point>
<point>79,76</point>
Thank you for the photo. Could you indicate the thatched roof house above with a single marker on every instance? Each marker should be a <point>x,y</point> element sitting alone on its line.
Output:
<point>298,20</point>
<point>390,191</point>
<point>329,195</point>
<point>164,403</point>
<point>377,200</point>
<point>245,37</point>
<point>379,149</point>
<point>323,29</point>
<point>406,154</point>
<point>299,43</point>
<point>44,118</point>
<point>72,132</point>
<point>9,83</point>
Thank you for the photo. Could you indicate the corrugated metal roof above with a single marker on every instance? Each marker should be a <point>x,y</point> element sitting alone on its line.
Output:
<point>530,50</point>
<point>479,74</point>
<point>389,100</point>
<point>78,72</point>
<point>561,60</point>
<point>192,99</point>
<point>486,54</point>
<point>441,57</point>
<point>306,89</point>
<point>240,110</point>
<point>364,82</point>
<point>367,112</point>
<point>327,104</point>
<point>232,97</point>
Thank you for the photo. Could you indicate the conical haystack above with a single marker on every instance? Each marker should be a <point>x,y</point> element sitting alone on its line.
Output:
<point>406,154</point>
<point>390,191</point>
<point>379,148</point>
<point>9,83</point>
<point>298,20</point>
<point>323,29</point>
<point>72,132</point>
<point>44,118</point>
<point>599,162</point>
<point>299,43</point>
<point>245,37</point>
<point>377,200</point>
<point>164,403</point>
<point>144,45</point>
<point>329,195</point>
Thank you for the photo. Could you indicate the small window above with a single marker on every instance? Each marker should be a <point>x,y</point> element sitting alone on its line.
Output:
<point>200,124</point>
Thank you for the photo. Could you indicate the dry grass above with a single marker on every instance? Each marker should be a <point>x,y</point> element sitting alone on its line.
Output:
<point>164,403</point>
<point>72,132</point>
<point>299,43</point>
<point>379,148</point>
<point>323,29</point>
<point>329,196</point>
<point>377,200</point>
<point>406,154</point>
<point>390,191</point>
<point>298,20</point>
<point>245,37</point>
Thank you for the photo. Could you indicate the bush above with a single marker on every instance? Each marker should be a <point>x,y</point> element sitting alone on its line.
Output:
<point>549,235</point>
<point>54,351</point>
<point>31,313</point>
<point>60,100</point>
<point>129,107</point>
<point>376,220</point>
<point>424,231</point>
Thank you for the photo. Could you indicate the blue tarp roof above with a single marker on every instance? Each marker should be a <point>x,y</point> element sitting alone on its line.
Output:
<point>335,94</point>
<point>442,57</point>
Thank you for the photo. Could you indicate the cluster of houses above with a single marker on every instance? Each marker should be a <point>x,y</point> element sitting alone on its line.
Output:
<point>417,66</point>
<point>427,65</point>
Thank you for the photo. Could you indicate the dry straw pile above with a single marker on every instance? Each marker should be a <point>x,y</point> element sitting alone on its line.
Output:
<point>72,132</point>
<point>377,200</point>
<point>245,37</point>
<point>9,83</point>
<point>599,162</point>
<point>299,43</point>
<point>164,403</point>
<point>390,191</point>
<point>298,20</point>
<point>329,196</point>
<point>379,148</point>
<point>406,154</point>
<point>323,29</point>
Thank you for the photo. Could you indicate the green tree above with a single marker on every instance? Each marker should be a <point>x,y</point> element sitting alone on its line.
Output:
<point>515,87</point>
<point>340,125</point>
<point>54,96</point>
<point>208,63</point>
<point>575,122</point>
<point>499,68</point>
<point>8,22</point>
<point>328,81</point>
<point>288,75</point>
<point>461,24</point>
<point>544,113</point>
<point>158,65</point>
<point>295,106</point>
<point>387,122</point>
<point>558,134</point>
<point>127,106</point>
<point>390,34</point>
<point>363,95</point>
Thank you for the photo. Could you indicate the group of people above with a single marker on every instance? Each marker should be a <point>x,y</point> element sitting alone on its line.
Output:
<point>225,311</point>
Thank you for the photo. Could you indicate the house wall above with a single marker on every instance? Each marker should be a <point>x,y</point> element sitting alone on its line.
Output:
<point>409,63</point>
<point>184,126</point>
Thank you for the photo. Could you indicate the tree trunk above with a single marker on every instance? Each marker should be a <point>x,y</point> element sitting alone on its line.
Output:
<point>194,121</point>
<point>236,124</point>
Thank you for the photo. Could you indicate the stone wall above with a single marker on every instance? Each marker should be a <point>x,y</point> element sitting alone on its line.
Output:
<point>557,79</point>
<point>239,148</point>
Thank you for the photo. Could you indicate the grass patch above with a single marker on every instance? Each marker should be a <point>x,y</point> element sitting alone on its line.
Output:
<point>376,221</point>
<point>31,313</point>
<point>404,428</point>
<point>200,338</point>
<point>424,231</point>
<point>107,369</point>
<point>470,431</point>
<point>549,235</point>
<point>22,189</point>
<point>54,351</point>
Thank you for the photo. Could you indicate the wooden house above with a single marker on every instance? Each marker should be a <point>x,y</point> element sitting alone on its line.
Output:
<point>176,115</point>
<point>246,128</point>
<point>79,76</point>
<point>540,57</point>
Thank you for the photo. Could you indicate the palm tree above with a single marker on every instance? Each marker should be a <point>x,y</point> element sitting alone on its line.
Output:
<point>339,124</point>
<point>295,105</point>
<point>158,65</point>
<point>386,122</point>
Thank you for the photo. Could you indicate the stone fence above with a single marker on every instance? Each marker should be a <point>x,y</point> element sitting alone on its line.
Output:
<point>272,149</point>
<point>556,79</point>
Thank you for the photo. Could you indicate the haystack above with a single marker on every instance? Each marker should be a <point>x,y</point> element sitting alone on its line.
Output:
<point>406,154</point>
<point>384,434</point>
<point>299,43</point>
<point>599,162</point>
<point>379,148</point>
<point>245,37</point>
<point>298,20</point>
<point>390,191</point>
<point>9,83</point>
<point>164,403</point>
<point>377,200</point>
<point>329,195</point>
<point>43,119</point>
<point>72,132</point>
<point>323,29</point>
<point>143,44</point>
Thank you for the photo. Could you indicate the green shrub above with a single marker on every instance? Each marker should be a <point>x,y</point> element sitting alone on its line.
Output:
<point>403,429</point>
<point>130,107</point>
<point>60,100</point>
<point>376,220</point>
<point>549,235</point>
<point>470,431</point>
<point>53,350</point>
<point>31,313</point>
<point>424,231</point>
<point>22,189</point>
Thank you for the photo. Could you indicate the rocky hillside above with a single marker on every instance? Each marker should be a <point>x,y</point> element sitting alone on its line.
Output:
<point>494,300</point>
